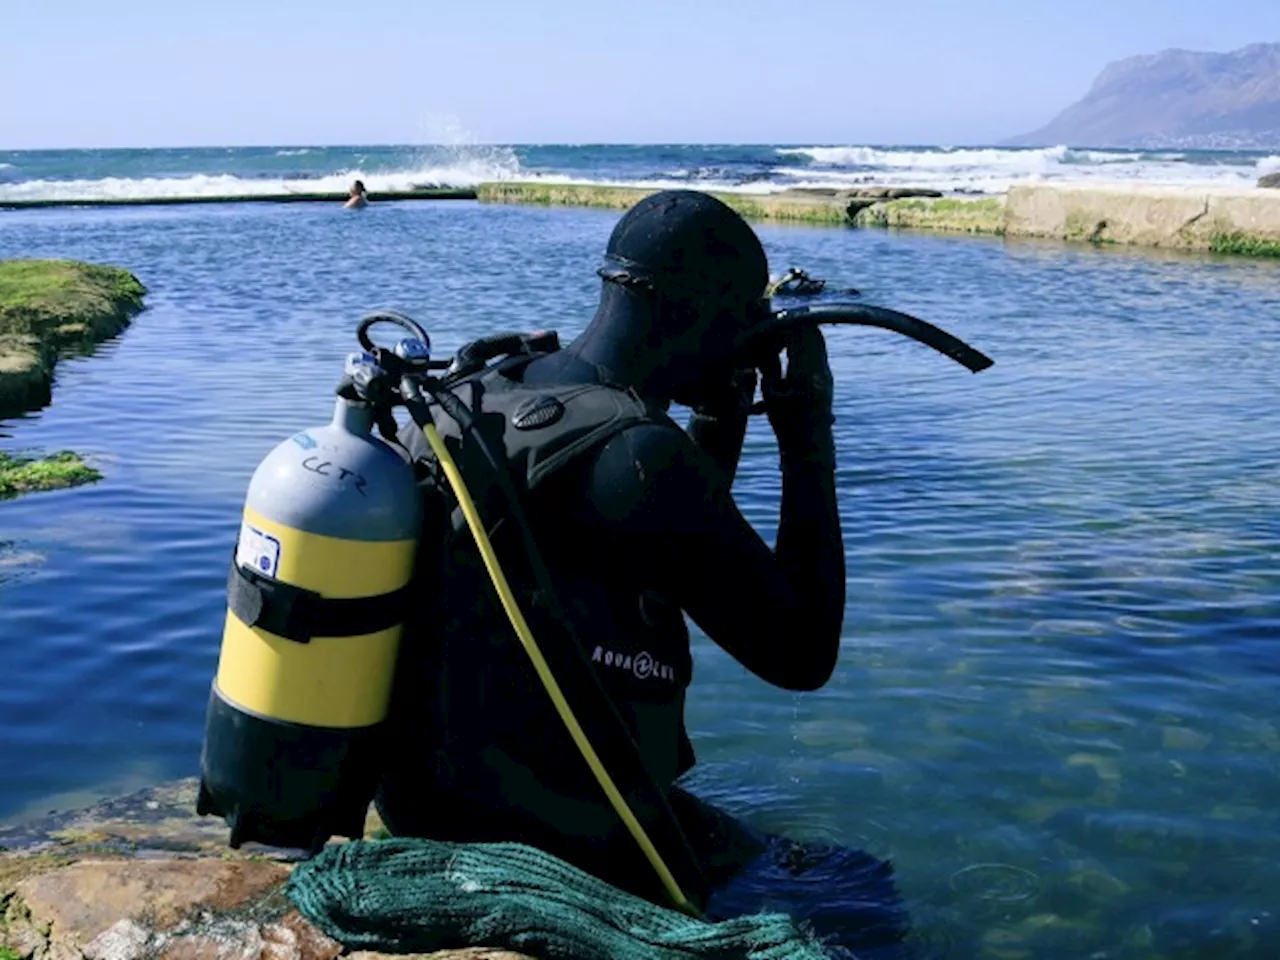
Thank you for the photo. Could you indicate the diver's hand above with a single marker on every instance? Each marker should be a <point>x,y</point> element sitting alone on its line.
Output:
<point>719,424</point>
<point>799,403</point>
<point>732,401</point>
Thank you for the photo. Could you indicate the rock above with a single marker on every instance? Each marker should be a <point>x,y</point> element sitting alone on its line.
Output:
<point>83,900</point>
<point>815,191</point>
<point>48,307</point>
<point>290,938</point>
<point>1271,180</point>
<point>143,878</point>
<point>1219,219</point>
<point>873,193</point>
<point>892,193</point>
<point>126,938</point>
<point>171,909</point>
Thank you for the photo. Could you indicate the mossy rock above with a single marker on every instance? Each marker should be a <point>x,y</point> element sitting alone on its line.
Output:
<point>1244,244</point>
<point>26,368</point>
<point>943,215</point>
<point>27,474</point>
<point>52,307</point>
<point>795,207</point>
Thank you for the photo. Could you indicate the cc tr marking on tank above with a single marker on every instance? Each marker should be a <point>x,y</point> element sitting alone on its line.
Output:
<point>322,467</point>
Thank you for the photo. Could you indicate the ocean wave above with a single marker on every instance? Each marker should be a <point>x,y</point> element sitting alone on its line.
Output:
<point>1101,156</point>
<point>462,171</point>
<point>960,170</point>
<point>995,170</point>
<point>950,158</point>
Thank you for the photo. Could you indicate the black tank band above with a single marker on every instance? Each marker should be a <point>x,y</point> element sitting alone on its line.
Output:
<point>297,614</point>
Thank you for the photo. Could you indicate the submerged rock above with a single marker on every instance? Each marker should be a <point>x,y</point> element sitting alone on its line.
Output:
<point>1270,180</point>
<point>23,474</point>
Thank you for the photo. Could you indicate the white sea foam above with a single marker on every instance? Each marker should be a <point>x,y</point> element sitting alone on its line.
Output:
<point>950,170</point>
<point>300,152</point>
<point>928,159</point>
<point>464,169</point>
<point>994,170</point>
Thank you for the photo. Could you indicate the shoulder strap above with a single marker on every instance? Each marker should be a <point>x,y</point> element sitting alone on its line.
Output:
<point>545,428</point>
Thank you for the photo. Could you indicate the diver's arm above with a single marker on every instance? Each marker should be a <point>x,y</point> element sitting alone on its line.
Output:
<point>720,427</point>
<point>778,612</point>
<point>720,439</point>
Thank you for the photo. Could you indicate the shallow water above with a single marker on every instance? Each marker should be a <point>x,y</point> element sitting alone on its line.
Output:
<point>1056,708</point>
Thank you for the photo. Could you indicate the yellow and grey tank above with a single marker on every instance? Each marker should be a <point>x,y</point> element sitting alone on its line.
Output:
<point>316,597</point>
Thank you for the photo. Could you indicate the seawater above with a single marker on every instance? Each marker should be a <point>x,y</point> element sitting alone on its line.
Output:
<point>1056,705</point>
<point>748,168</point>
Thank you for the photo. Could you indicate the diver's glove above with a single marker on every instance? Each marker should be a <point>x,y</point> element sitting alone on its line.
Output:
<point>719,424</point>
<point>799,404</point>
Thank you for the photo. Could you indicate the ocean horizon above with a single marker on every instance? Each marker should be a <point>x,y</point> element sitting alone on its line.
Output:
<point>248,171</point>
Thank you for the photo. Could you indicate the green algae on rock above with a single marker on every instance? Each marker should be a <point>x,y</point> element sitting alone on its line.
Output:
<point>1241,243</point>
<point>864,207</point>
<point>56,472</point>
<point>983,215</point>
<point>1211,219</point>
<point>1214,220</point>
<point>54,307</point>
<point>795,207</point>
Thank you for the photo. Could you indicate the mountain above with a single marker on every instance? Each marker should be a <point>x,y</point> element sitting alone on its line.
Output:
<point>1176,99</point>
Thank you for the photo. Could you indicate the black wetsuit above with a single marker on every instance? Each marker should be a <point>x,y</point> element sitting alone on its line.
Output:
<point>651,513</point>
<point>633,532</point>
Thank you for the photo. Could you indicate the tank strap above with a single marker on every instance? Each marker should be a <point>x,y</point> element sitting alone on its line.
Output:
<point>296,614</point>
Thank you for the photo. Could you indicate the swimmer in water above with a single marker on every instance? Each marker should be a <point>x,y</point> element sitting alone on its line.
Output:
<point>358,198</point>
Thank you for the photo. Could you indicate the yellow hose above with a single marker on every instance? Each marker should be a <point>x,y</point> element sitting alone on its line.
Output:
<point>544,672</point>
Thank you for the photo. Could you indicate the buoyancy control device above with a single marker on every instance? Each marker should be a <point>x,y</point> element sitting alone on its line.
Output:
<point>318,594</point>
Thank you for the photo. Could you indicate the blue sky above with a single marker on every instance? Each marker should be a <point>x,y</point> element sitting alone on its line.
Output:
<point>186,73</point>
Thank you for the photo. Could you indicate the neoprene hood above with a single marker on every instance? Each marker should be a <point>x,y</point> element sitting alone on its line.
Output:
<point>685,274</point>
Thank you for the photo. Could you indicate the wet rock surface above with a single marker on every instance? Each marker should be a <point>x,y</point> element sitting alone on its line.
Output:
<point>143,878</point>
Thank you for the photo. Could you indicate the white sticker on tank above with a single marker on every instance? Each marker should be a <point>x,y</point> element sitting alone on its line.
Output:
<point>258,551</point>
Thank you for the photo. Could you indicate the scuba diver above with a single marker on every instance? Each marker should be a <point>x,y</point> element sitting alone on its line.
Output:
<point>636,523</point>
<point>375,585</point>
<point>795,281</point>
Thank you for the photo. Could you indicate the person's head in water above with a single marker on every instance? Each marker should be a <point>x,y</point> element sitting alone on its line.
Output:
<point>356,198</point>
<point>683,274</point>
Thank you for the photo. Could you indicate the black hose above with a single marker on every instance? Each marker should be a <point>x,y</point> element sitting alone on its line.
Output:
<point>864,315</point>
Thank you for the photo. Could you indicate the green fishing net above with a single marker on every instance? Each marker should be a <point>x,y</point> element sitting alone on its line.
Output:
<point>416,896</point>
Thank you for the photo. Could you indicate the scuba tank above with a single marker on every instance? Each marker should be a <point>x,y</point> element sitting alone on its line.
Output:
<point>315,606</point>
